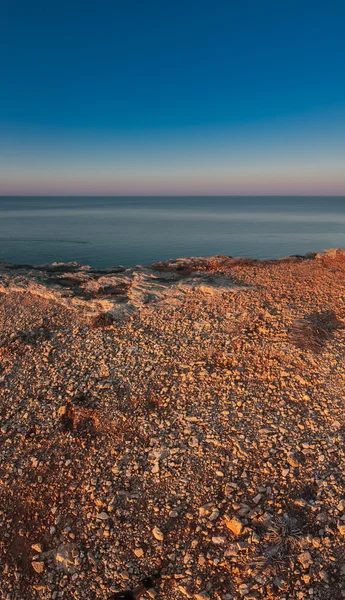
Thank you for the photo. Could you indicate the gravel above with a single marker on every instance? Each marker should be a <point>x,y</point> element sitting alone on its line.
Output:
<point>197,428</point>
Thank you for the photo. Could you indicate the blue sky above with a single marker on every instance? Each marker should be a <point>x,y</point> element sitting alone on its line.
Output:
<point>159,97</point>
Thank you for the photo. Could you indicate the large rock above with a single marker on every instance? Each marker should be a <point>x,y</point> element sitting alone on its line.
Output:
<point>332,253</point>
<point>64,558</point>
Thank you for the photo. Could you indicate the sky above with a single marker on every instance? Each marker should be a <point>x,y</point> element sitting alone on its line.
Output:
<point>172,98</point>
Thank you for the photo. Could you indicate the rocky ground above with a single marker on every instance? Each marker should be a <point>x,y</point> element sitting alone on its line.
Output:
<point>188,417</point>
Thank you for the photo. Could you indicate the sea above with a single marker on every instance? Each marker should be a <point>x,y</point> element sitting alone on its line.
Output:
<point>108,231</point>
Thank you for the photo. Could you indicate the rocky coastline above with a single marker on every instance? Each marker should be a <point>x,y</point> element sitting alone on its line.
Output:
<point>187,416</point>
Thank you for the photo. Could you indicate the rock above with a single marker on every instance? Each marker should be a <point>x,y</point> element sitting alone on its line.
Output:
<point>205,509</point>
<point>158,534</point>
<point>193,442</point>
<point>218,540</point>
<point>341,528</point>
<point>234,524</point>
<point>64,558</point>
<point>292,460</point>
<point>139,552</point>
<point>184,591</point>
<point>331,253</point>
<point>61,411</point>
<point>202,595</point>
<point>103,516</point>
<point>214,514</point>
<point>125,575</point>
<point>305,559</point>
<point>38,566</point>
<point>37,547</point>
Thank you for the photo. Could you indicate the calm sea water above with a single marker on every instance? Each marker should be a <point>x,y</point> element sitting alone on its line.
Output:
<point>106,231</point>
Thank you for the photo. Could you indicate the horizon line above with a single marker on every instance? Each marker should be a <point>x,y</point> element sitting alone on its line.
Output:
<point>40,195</point>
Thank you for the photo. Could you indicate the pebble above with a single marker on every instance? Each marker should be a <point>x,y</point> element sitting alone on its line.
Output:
<point>38,566</point>
<point>214,514</point>
<point>184,591</point>
<point>234,524</point>
<point>158,534</point>
<point>102,516</point>
<point>204,595</point>
<point>341,528</point>
<point>305,559</point>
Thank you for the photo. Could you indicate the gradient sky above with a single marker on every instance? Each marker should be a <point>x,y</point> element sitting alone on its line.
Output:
<point>157,97</point>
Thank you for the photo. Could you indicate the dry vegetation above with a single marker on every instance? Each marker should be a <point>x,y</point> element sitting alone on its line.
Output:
<point>194,421</point>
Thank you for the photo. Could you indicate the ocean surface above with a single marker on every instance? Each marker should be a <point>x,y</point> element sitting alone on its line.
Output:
<point>108,231</point>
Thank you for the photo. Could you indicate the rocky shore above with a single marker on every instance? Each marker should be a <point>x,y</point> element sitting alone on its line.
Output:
<point>188,416</point>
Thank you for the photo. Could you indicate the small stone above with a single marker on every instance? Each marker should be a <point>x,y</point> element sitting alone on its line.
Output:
<point>64,558</point>
<point>214,514</point>
<point>158,534</point>
<point>234,525</point>
<point>341,505</point>
<point>218,540</point>
<point>38,566</point>
<point>61,411</point>
<point>193,442</point>
<point>293,462</point>
<point>184,591</point>
<point>243,589</point>
<point>305,559</point>
<point>139,552</point>
<point>125,575</point>
<point>204,510</point>
<point>103,516</point>
<point>202,595</point>
<point>341,528</point>
<point>37,547</point>
<point>257,498</point>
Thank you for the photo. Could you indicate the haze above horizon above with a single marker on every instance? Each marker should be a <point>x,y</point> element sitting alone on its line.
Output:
<point>156,98</point>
